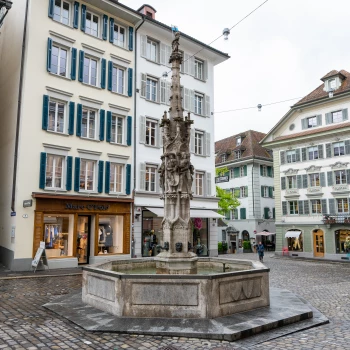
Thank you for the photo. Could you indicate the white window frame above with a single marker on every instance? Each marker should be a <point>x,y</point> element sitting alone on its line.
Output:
<point>316,206</point>
<point>115,79</point>
<point>311,122</point>
<point>344,203</point>
<point>199,137</point>
<point>94,176</point>
<point>199,68</point>
<point>149,43</point>
<point>91,58</point>
<point>60,49</point>
<point>266,191</point>
<point>314,151</point>
<point>295,209</point>
<point>113,184</point>
<point>151,124</point>
<point>238,140</point>
<point>61,12</point>
<point>242,192</point>
<point>150,170</point>
<point>294,182</point>
<point>313,179</point>
<point>92,14</point>
<point>241,171</point>
<point>264,170</point>
<point>199,190</point>
<point>238,154</point>
<point>52,100</point>
<point>89,110</point>
<point>116,35</point>
<point>149,89</point>
<point>341,146</point>
<point>338,115</point>
<point>223,158</point>
<point>114,135</point>
<point>342,177</point>
<point>332,84</point>
<point>292,156</point>
<point>53,177</point>
<point>198,103</point>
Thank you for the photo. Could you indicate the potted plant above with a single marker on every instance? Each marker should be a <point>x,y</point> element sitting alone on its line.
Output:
<point>247,248</point>
<point>224,247</point>
<point>220,248</point>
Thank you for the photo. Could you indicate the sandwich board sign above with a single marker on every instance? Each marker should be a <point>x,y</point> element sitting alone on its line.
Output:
<point>40,256</point>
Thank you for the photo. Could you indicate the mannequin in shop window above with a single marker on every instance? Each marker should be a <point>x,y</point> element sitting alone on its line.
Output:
<point>108,239</point>
<point>296,244</point>
<point>101,239</point>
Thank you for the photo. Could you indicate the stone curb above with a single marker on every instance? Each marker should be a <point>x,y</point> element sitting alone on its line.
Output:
<point>40,276</point>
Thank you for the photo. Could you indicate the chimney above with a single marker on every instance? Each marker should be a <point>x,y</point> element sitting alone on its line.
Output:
<point>148,10</point>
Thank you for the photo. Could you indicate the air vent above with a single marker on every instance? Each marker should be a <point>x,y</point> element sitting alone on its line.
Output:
<point>291,127</point>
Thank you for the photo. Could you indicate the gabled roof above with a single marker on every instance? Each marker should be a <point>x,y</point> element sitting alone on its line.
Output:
<point>250,147</point>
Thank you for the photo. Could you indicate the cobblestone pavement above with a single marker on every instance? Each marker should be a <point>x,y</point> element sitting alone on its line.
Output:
<point>25,324</point>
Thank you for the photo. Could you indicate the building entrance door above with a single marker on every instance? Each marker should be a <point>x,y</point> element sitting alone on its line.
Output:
<point>318,243</point>
<point>83,239</point>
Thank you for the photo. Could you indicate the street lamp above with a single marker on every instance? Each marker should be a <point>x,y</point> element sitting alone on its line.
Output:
<point>330,92</point>
<point>259,107</point>
<point>226,33</point>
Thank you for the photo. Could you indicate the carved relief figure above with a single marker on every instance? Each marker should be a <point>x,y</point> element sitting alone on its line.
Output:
<point>172,176</point>
<point>186,171</point>
<point>161,172</point>
<point>175,43</point>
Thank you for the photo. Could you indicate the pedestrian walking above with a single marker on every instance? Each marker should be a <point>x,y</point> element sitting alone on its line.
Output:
<point>260,249</point>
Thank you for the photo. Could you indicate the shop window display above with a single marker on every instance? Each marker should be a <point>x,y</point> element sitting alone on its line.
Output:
<point>295,243</point>
<point>58,235</point>
<point>342,241</point>
<point>110,234</point>
<point>152,234</point>
<point>200,236</point>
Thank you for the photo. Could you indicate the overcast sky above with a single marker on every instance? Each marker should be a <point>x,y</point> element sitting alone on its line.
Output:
<point>279,52</point>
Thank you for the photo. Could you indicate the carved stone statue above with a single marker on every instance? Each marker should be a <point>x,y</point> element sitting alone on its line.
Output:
<point>161,172</point>
<point>172,176</point>
<point>175,43</point>
<point>186,171</point>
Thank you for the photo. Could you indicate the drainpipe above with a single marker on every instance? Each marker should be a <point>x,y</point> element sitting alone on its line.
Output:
<point>19,105</point>
<point>253,189</point>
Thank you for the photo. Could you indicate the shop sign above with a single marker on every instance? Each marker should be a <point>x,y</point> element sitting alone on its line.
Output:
<point>71,206</point>
<point>219,179</point>
<point>27,203</point>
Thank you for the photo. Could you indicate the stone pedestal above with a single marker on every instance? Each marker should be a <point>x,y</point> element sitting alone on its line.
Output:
<point>176,264</point>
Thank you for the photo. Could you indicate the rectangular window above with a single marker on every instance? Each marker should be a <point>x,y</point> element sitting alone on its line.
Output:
<point>264,170</point>
<point>57,111</point>
<point>292,182</point>
<point>151,132</point>
<point>90,71</point>
<point>238,141</point>
<point>316,206</point>
<point>291,156</point>
<point>338,149</point>
<point>199,68</point>
<point>92,24</point>
<point>118,80</point>
<point>198,143</point>
<point>340,177</point>
<point>117,129</point>
<point>293,208</point>
<point>241,171</point>
<point>343,205</point>
<point>266,192</point>
<point>152,50</point>
<point>54,171</point>
<point>223,158</point>
<point>242,192</point>
<point>88,124</point>
<point>238,154</point>
<point>151,178</point>
<point>62,11</point>
<point>199,184</point>
<point>331,83</point>
<point>313,152</point>
<point>312,122</point>
<point>59,61</point>
<point>116,177</point>
<point>314,180</point>
<point>110,234</point>
<point>87,175</point>
<point>337,117</point>
<point>151,89</point>
<point>119,35</point>
<point>198,104</point>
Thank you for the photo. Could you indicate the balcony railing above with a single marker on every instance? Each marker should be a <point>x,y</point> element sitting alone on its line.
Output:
<point>342,219</point>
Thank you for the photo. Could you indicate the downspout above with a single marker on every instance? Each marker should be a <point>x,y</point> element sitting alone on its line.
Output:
<point>19,105</point>
<point>253,189</point>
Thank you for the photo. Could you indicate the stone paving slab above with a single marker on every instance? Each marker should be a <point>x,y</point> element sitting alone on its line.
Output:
<point>286,308</point>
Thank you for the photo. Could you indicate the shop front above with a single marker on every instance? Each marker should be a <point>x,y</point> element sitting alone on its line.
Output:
<point>294,240</point>
<point>81,230</point>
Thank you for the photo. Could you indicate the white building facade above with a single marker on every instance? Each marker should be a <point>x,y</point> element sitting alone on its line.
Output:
<point>153,45</point>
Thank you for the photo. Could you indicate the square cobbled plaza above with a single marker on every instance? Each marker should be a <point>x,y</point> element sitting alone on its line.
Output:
<point>26,324</point>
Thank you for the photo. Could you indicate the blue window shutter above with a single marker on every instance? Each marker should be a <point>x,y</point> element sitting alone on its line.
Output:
<point>73,69</point>
<point>42,176</point>
<point>83,18</point>
<point>110,75</point>
<point>51,8</point>
<point>76,15</point>
<point>100,176</point>
<point>111,30</point>
<point>129,131</point>
<point>79,117</point>
<point>105,27</point>
<point>131,38</point>
<point>81,66</point>
<point>109,126</point>
<point>102,124</point>
<point>107,174</point>
<point>128,179</point>
<point>77,174</point>
<point>69,173</point>
<point>103,73</point>
<point>49,53</point>
<point>129,82</point>
<point>71,118</point>
<point>45,115</point>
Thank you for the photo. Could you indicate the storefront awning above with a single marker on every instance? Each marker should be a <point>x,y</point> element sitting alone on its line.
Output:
<point>264,233</point>
<point>194,213</point>
<point>292,234</point>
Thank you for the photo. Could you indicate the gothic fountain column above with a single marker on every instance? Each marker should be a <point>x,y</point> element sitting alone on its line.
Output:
<point>176,177</point>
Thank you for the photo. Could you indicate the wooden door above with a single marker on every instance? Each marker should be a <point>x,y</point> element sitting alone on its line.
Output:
<point>319,244</point>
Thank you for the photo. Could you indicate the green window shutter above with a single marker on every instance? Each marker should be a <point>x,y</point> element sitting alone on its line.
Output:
<point>107,177</point>
<point>110,75</point>
<point>324,206</point>
<point>73,69</point>
<point>81,66</point>
<point>128,179</point>
<point>237,192</point>
<point>328,150</point>
<point>320,151</point>
<point>246,191</point>
<point>274,213</point>
<point>245,170</point>
<point>299,181</point>
<point>49,54</point>
<point>283,183</point>
<point>345,114</point>
<point>129,130</point>
<point>261,170</point>
<point>42,175</point>
<point>330,178</point>
<point>301,207</point>
<point>284,208</point>
<point>243,213</point>
<point>305,183</point>
<point>348,176</point>
<point>236,172</point>
<point>304,123</point>
<point>271,192</point>
<point>83,18</point>
<point>235,214</point>
<point>306,207</point>
<point>71,118</point>
<point>266,213</point>
<point>77,174</point>
<point>297,154</point>
<point>347,146</point>
<point>303,154</point>
<point>105,27</point>
<point>331,203</point>
<point>323,179</point>
<point>129,82</point>
<point>131,38</point>
<point>69,173</point>
<point>109,126</point>
<point>262,191</point>
<point>319,119</point>
<point>76,15</point>
<point>111,30</point>
<point>282,157</point>
<point>51,8</point>
<point>328,118</point>
<point>100,176</point>
<point>45,114</point>
<point>103,73</point>
<point>79,118</point>
<point>269,171</point>
<point>102,124</point>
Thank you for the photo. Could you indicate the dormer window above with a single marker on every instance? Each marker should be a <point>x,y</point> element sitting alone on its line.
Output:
<point>238,141</point>
<point>332,84</point>
<point>223,158</point>
<point>238,154</point>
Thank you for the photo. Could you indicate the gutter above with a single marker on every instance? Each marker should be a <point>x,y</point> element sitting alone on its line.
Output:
<point>19,105</point>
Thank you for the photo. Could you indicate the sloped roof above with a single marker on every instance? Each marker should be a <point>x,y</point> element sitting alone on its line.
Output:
<point>250,146</point>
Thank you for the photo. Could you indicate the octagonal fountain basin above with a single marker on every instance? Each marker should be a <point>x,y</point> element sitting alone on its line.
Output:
<point>131,288</point>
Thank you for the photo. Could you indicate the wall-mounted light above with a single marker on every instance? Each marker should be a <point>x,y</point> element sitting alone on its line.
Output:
<point>165,75</point>
<point>259,107</point>
<point>226,33</point>
<point>330,92</point>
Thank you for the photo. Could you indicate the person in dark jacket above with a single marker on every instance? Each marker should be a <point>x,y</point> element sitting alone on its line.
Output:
<point>260,250</point>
